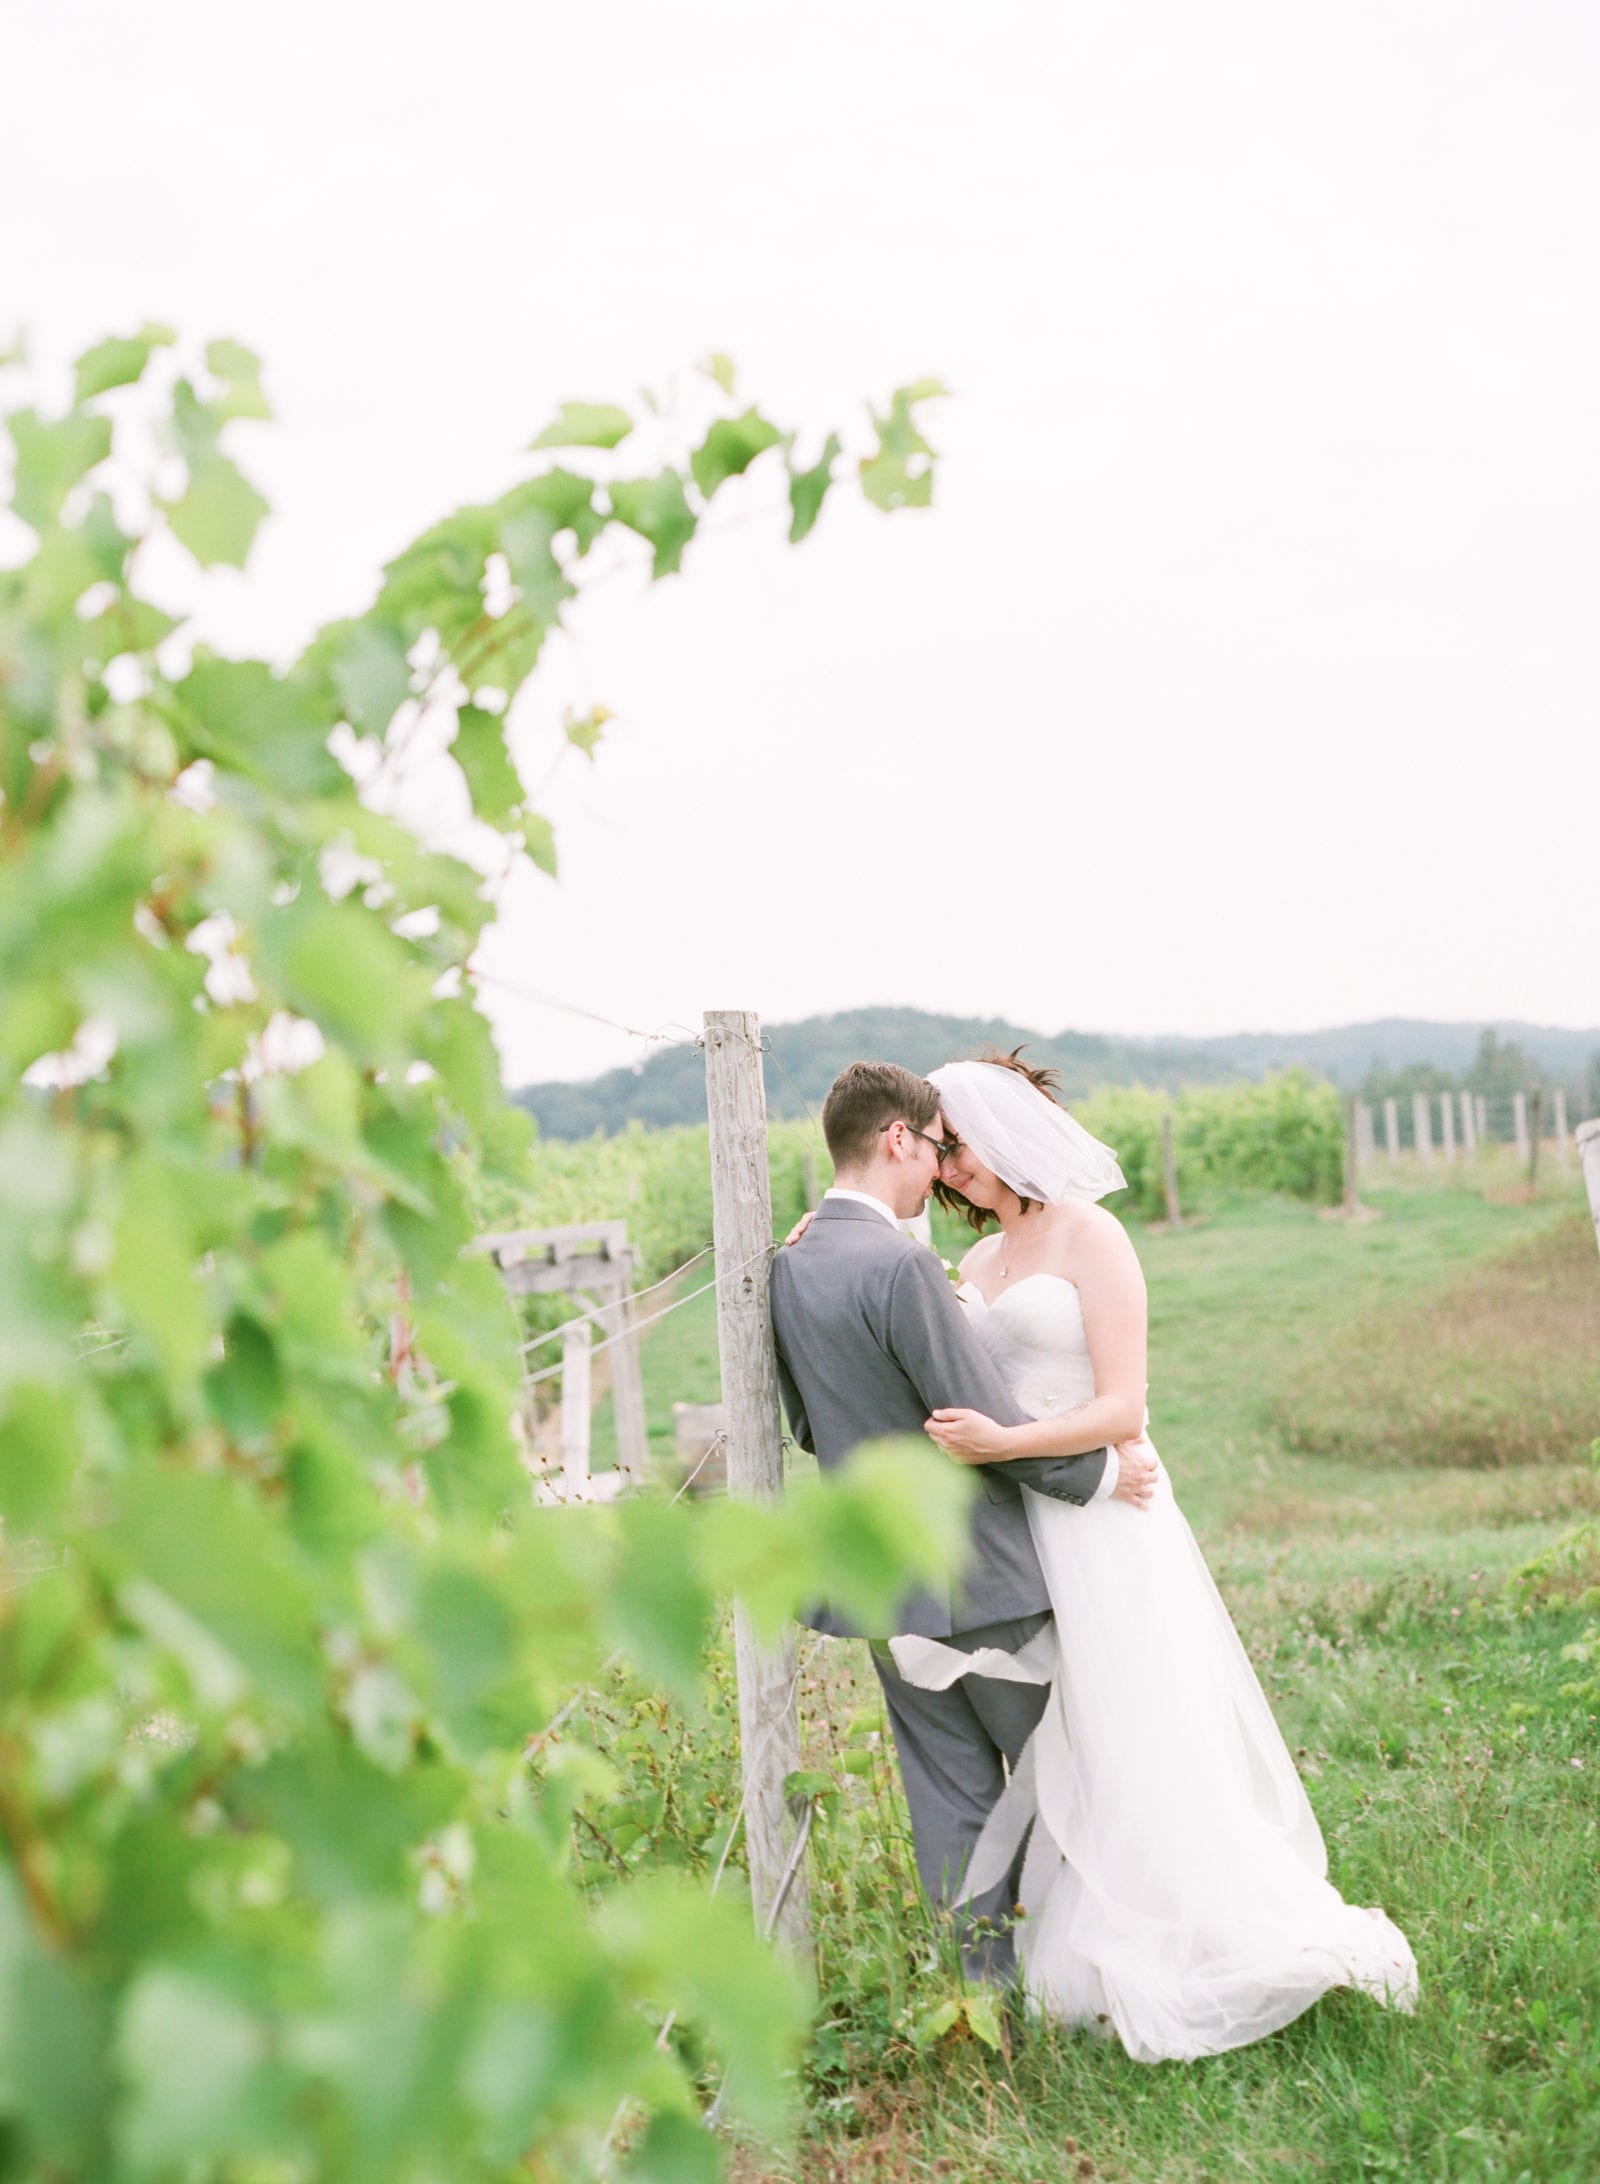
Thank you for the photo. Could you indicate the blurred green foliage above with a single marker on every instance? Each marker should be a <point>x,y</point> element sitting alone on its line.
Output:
<point>280,1895</point>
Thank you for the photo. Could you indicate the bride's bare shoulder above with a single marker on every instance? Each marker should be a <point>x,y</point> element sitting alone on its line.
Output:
<point>977,1256</point>
<point>1092,1233</point>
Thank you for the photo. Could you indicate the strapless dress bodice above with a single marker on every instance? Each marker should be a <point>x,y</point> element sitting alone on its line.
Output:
<point>1034,1332</point>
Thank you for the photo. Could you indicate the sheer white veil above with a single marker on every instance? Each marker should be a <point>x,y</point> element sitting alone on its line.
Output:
<point>1031,1144</point>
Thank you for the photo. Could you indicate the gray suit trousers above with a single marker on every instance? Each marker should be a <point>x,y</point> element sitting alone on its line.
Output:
<point>955,1748</point>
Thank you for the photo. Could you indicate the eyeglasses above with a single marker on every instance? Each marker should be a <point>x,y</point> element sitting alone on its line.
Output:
<point>944,1148</point>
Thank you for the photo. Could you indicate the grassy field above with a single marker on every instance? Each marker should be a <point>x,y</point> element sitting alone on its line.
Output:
<point>1453,1781</point>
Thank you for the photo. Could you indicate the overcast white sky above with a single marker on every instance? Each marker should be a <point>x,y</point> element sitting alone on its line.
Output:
<point>1245,673</point>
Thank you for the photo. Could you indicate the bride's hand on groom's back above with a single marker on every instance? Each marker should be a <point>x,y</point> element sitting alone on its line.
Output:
<point>799,1228</point>
<point>1136,1473</point>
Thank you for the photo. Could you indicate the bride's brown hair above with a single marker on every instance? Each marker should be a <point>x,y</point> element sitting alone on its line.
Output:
<point>1047,1081</point>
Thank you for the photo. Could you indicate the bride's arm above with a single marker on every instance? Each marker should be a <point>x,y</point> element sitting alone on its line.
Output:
<point>1110,1285</point>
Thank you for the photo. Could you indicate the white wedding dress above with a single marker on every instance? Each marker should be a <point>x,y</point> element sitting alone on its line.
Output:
<point>1175,1888</point>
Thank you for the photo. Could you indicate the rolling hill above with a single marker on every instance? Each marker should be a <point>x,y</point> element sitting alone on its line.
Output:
<point>669,1087</point>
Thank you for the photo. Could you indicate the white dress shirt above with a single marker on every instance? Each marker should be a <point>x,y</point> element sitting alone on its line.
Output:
<point>1108,1481</point>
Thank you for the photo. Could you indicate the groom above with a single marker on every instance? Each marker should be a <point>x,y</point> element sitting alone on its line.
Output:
<point>871,1341</point>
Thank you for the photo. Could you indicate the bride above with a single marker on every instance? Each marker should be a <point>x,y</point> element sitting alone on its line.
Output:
<point>1175,1885</point>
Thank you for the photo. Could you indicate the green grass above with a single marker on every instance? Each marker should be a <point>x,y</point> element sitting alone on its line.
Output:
<point>1454,1782</point>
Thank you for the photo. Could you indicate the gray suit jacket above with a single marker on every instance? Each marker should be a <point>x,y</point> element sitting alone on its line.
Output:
<point>870,1341</point>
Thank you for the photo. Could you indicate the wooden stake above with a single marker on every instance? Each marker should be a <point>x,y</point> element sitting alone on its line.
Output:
<point>1169,1171</point>
<point>627,1380</point>
<point>1391,1128</point>
<point>741,1226</point>
<point>1519,1122</point>
<point>1419,1126</point>
<point>1535,1133</point>
<point>1447,1126</point>
<point>1469,1127</point>
<point>575,1409</point>
<point>1588,1135</point>
<point>1483,1118</point>
<point>1352,1157</point>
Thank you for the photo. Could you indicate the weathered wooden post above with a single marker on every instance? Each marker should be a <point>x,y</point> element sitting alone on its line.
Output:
<point>627,1377</point>
<point>1519,1123</point>
<point>1447,1126</point>
<point>1589,1161</point>
<point>575,1409</point>
<point>741,1227</point>
<point>1535,1132</point>
<point>1391,1129</point>
<point>1419,1126</point>
<point>1169,1171</point>
<point>1483,1118</point>
<point>1352,1157</point>
<point>1563,1136</point>
<point>1369,1137</point>
<point>1469,1130</point>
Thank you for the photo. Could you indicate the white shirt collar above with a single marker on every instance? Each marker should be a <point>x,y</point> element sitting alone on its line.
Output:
<point>865,1198</point>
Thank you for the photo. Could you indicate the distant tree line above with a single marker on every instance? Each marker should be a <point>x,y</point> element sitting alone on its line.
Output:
<point>1389,1058</point>
<point>1499,1068</point>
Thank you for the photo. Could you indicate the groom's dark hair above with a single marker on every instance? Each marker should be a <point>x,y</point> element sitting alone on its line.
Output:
<point>863,1100</point>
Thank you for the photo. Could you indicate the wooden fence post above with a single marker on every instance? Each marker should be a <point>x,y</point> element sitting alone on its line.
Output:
<point>1563,1139</point>
<point>741,1227</point>
<point>1447,1126</point>
<point>575,1412</point>
<point>1419,1126</point>
<point>1391,1128</point>
<point>1483,1118</point>
<point>627,1378</point>
<point>1367,1141</point>
<point>1589,1160</point>
<point>1535,1132</point>
<point>1469,1131</point>
<point>1169,1171</point>
<point>1519,1123</point>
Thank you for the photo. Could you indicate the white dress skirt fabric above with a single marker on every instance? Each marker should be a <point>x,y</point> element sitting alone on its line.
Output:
<point>1175,1890</point>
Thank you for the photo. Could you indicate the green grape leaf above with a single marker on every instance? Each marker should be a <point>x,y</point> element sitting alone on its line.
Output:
<point>219,515</point>
<point>729,448</point>
<point>239,369</point>
<point>437,583</point>
<point>204,2072</point>
<point>245,1391</point>
<point>53,2064</point>
<point>539,840</point>
<point>586,424</point>
<point>370,671</point>
<point>51,457</point>
<point>583,731</point>
<point>480,751</point>
<point>561,495</point>
<point>246,718</point>
<point>128,625</point>
<point>209,1546</point>
<point>338,963</point>
<point>674,2150</point>
<point>153,1265</point>
<point>900,474</point>
<point>117,362</point>
<point>659,1609</point>
<point>808,489</point>
<point>704,1959</point>
<point>719,368</point>
<point>658,510</point>
<point>39,1441</point>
